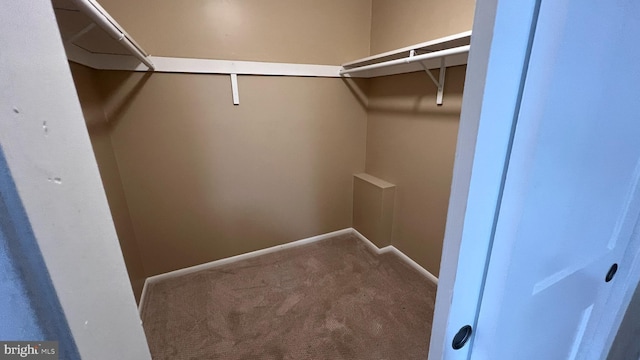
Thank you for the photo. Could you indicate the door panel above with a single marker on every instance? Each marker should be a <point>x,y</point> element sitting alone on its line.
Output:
<point>569,201</point>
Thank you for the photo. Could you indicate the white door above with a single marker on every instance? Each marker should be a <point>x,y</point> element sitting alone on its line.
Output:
<point>570,197</point>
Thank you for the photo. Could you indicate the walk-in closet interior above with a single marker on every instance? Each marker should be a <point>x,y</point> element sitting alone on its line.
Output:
<point>293,192</point>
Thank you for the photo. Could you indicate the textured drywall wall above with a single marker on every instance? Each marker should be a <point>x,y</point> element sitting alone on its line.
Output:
<point>47,150</point>
<point>295,31</point>
<point>100,134</point>
<point>205,179</point>
<point>396,24</point>
<point>411,143</point>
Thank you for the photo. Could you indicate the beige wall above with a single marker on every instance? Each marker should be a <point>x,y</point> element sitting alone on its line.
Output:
<point>296,31</point>
<point>395,24</point>
<point>92,108</point>
<point>411,143</point>
<point>207,180</point>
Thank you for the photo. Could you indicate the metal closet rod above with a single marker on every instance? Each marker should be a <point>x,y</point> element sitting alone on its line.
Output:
<point>410,59</point>
<point>96,14</point>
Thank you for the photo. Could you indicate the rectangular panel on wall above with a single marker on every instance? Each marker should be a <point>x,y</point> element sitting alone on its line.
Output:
<point>373,202</point>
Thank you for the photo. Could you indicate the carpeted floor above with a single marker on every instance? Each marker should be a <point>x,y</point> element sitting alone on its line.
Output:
<point>332,299</point>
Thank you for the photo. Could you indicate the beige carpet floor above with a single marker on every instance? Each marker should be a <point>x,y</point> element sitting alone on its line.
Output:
<point>333,299</point>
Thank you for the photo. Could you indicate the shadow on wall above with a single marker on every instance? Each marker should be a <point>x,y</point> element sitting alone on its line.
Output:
<point>100,133</point>
<point>413,93</point>
<point>126,87</point>
<point>29,306</point>
<point>359,87</point>
<point>206,180</point>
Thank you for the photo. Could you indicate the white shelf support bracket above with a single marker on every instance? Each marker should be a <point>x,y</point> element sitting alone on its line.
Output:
<point>433,78</point>
<point>443,71</point>
<point>234,89</point>
<point>438,83</point>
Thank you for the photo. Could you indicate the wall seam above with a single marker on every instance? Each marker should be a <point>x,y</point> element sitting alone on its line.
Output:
<point>117,161</point>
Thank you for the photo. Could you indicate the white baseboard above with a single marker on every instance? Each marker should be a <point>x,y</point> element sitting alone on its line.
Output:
<point>245,256</point>
<point>393,249</point>
<point>217,263</point>
<point>143,296</point>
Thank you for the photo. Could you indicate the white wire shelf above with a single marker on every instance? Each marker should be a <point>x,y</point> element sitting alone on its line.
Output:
<point>453,50</point>
<point>87,29</point>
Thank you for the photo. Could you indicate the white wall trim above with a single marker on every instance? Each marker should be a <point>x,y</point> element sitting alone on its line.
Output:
<point>143,296</point>
<point>198,66</point>
<point>501,33</point>
<point>249,255</point>
<point>209,66</point>
<point>252,254</point>
<point>390,248</point>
